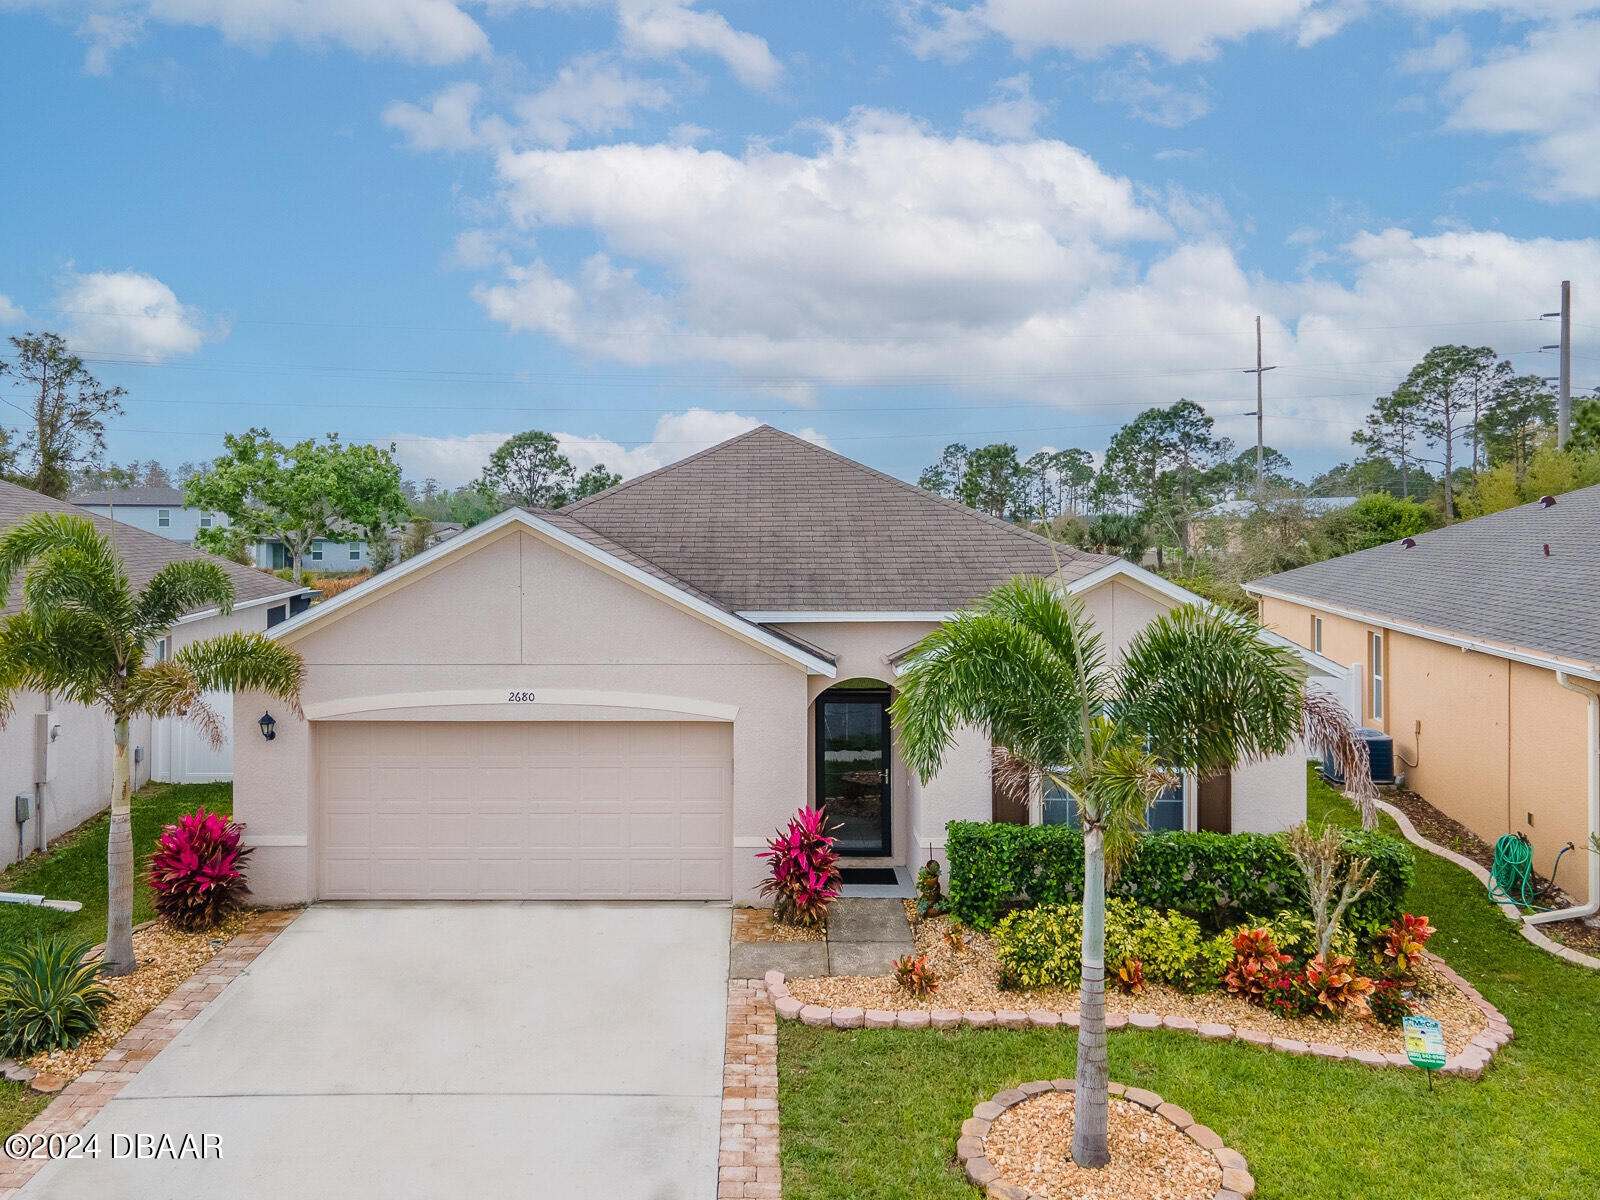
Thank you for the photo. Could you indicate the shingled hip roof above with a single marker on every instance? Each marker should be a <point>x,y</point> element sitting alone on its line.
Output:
<point>768,522</point>
<point>143,553</point>
<point>1526,579</point>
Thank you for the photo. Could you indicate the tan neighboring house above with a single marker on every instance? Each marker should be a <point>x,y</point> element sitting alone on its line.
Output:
<point>58,755</point>
<point>1478,651</point>
<point>625,698</point>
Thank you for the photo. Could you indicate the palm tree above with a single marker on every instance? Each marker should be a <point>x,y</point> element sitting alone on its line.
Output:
<point>1196,690</point>
<point>82,632</point>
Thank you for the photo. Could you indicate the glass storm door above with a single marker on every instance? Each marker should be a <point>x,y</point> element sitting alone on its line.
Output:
<point>853,770</point>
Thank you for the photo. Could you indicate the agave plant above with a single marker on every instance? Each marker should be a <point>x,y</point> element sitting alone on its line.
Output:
<point>805,870</point>
<point>196,872</point>
<point>50,996</point>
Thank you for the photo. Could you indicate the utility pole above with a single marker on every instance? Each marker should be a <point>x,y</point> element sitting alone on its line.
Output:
<point>1258,371</point>
<point>1564,404</point>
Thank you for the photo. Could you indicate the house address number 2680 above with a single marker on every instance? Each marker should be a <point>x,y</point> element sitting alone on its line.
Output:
<point>519,697</point>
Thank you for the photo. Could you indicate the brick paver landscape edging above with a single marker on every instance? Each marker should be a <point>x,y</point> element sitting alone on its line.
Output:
<point>1468,1064</point>
<point>747,1156</point>
<point>81,1100</point>
<point>1237,1182</point>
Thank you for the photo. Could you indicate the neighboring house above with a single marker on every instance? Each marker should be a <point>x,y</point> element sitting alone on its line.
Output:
<point>163,511</point>
<point>60,753</point>
<point>1478,651</point>
<point>625,698</point>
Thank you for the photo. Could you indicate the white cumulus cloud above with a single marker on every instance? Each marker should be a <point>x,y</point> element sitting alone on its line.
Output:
<point>426,31</point>
<point>1012,111</point>
<point>129,313</point>
<point>10,314</point>
<point>459,459</point>
<point>890,254</point>
<point>1545,92</point>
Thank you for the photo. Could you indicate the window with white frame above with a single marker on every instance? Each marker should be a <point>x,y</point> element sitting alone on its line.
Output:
<point>163,517</point>
<point>205,520</point>
<point>355,551</point>
<point>1375,669</point>
<point>316,551</point>
<point>1316,634</point>
<point>163,649</point>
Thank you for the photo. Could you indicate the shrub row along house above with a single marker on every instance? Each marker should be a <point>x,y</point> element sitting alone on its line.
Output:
<point>55,755</point>
<point>1477,648</point>
<point>623,698</point>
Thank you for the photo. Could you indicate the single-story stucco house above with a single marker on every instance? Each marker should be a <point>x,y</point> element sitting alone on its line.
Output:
<point>59,754</point>
<point>625,698</point>
<point>1477,648</point>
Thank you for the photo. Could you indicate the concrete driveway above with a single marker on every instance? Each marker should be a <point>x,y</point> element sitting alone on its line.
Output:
<point>425,1050</point>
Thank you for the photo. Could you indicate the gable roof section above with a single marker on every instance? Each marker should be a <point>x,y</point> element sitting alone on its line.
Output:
<point>143,553</point>
<point>616,559</point>
<point>768,522</point>
<point>1487,580</point>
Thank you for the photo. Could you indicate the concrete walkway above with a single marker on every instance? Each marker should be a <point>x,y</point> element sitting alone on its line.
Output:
<point>865,936</point>
<point>431,1050</point>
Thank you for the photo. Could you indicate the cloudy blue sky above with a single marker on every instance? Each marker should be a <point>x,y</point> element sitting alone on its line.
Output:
<point>647,224</point>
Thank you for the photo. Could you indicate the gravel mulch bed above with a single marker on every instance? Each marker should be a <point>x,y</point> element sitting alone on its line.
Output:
<point>166,958</point>
<point>1151,1158</point>
<point>967,981</point>
<point>757,925</point>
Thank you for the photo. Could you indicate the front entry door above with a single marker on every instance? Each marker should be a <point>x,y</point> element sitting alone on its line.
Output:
<point>853,770</point>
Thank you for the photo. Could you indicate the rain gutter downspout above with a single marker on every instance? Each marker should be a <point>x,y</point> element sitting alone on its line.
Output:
<point>1593,906</point>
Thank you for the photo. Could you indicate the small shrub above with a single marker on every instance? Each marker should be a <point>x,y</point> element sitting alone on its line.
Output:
<point>50,999</point>
<point>913,974</point>
<point>1389,1004</point>
<point>1403,943</point>
<point>930,897</point>
<point>1296,935</point>
<point>1130,977</point>
<point>1338,989</point>
<point>197,871</point>
<point>1289,995</point>
<point>956,938</point>
<point>1041,947</point>
<point>805,870</point>
<point>1044,946</point>
<point>1008,980</point>
<point>1256,968</point>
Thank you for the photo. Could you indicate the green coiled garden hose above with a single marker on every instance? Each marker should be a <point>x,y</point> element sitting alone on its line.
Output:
<point>1511,877</point>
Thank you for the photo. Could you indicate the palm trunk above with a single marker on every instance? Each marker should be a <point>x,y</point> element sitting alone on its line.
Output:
<point>118,958</point>
<point>1089,1147</point>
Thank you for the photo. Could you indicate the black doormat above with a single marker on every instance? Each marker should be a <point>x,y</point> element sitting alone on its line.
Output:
<point>868,875</point>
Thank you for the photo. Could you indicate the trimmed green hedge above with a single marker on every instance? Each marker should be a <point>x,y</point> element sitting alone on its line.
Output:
<point>1219,879</point>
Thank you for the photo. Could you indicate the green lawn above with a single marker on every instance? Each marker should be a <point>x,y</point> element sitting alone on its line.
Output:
<point>876,1113</point>
<point>75,869</point>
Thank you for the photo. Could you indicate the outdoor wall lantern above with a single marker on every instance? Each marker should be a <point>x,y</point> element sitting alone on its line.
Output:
<point>269,727</point>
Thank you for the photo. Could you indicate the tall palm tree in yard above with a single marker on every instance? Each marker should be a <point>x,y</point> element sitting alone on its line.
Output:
<point>83,633</point>
<point>1196,691</point>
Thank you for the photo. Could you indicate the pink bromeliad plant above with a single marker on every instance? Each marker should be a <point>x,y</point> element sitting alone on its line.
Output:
<point>197,870</point>
<point>805,870</point>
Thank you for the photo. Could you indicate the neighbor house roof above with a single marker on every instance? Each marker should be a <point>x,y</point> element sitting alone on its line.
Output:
<point>142,553</point>
<point>1488,579</point>
<point>768,522</point>
<point>139,497</point>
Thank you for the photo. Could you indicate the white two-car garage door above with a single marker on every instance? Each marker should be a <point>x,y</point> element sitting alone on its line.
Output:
<point>525,810</point>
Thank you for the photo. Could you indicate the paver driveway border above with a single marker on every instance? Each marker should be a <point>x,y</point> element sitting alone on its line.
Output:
<point>82,1099</point>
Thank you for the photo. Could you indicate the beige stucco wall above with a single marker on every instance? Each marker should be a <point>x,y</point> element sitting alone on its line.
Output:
<point>516,613</point>
<point>81,785</point>
<point>1485,740</point>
